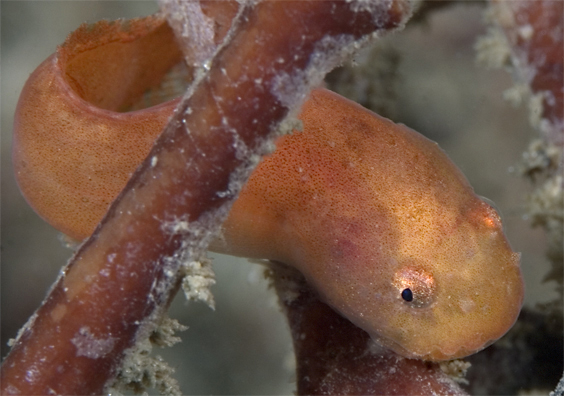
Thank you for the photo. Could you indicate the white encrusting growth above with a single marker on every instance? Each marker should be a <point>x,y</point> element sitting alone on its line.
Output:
<point>87,344</point>
<point>198,278</point>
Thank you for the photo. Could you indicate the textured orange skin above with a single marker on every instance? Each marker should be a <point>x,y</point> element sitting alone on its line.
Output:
<point>357,204</point>
<point>73,151</point>
<point>360,205</point>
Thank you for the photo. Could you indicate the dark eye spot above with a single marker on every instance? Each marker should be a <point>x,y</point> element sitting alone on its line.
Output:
<point>407,295</point>
<point>416,285</point>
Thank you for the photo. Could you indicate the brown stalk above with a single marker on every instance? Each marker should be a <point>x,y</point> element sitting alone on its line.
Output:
<point>116,287</point>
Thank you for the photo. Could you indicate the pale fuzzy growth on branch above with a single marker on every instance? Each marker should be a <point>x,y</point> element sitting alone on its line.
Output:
<point>526,38</point>
<point>195,268</point>
<point>542,164</point>
<point>198,278</point>
<point>140,370</point>
<point>492,49</point>
<point>456,370</point>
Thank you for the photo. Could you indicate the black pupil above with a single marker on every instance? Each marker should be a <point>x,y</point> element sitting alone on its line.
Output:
<point>407,295</point>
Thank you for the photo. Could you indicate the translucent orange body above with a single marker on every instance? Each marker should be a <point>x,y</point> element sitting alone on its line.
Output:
<point>366,209</point>
<point>377,218</point>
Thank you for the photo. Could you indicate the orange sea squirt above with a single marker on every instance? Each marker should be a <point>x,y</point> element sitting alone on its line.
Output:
<point>377,218</point>
<point>73,151</point>
<point>385,227</point>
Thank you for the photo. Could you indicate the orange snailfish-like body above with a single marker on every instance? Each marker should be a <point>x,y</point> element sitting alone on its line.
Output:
<point>385,227</point>
<point>377,218</point>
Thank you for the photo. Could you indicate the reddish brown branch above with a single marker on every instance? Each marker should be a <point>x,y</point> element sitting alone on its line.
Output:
<point>114,289</point>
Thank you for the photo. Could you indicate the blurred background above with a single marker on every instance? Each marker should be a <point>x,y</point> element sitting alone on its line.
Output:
<point>244,347</point>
